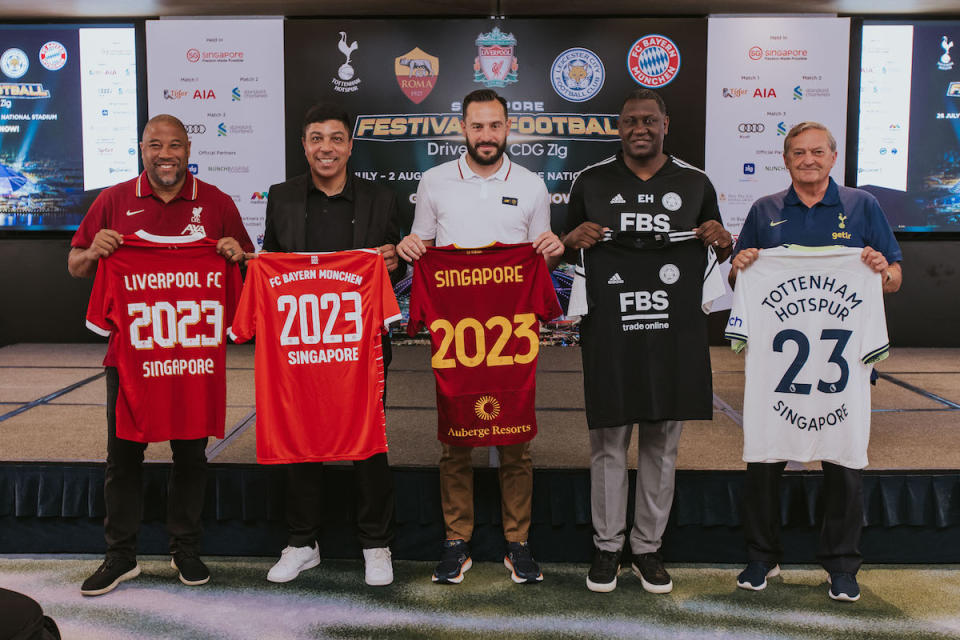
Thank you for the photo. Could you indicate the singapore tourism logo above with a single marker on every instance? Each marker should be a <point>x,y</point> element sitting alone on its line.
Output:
<point>577,74</point>
<point>346,80</point>
<point>496,63</point>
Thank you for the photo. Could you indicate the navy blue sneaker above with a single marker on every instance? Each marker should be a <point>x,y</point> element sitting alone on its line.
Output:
<point>454,562</point>
<point>754,577</point>
<point>844,587</point>
<point>523,568</point>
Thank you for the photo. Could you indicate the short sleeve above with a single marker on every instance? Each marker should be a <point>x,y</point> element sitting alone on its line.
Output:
<point>540,216</point>
<point>881,235</point>
<point>243,326</point>
<point>101,301</point>
<point>737,331</point>
<point>713,286</point>
<point>578,292</point>
<point>233,224</point>
<point>425,213</point>
<point>232,290</point>
<point>709,209</point>
<point>92,222</point>
<point>418,296</point>
<point>875,345</point>
<point>388,301</point>
<point>548,307</point>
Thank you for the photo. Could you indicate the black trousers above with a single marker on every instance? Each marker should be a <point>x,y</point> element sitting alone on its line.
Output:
<point>375,503</point>
<point>123,487</point>
<point>21,618</point>
<point>839,548</point>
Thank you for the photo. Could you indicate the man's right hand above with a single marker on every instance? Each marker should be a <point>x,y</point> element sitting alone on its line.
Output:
<point>745,258</point>
<point>584,236</point>
<point>411,248</point>
<point>104,243</point>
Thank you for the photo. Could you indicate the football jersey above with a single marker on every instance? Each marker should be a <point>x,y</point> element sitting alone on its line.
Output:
<point>318,318</point>
<point>813,324</point>
<point>483,308</point>
<point>166,302</point>
<point>644,299</point>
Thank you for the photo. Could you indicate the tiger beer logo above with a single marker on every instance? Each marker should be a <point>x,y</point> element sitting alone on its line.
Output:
<point>487,408</point>
<point>417,72</point>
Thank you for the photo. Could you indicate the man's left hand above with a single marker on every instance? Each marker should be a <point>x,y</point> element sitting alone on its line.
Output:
<point>548,244</point>
<point>230,249</point>
<point>389,253</point>
<point>712,232</point>
<point>873,259</point>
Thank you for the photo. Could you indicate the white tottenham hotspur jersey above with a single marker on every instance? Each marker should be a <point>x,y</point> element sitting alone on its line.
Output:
<point>813,324</point>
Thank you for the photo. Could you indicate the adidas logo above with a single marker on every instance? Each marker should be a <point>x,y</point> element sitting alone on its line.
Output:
<point>617,199</point>
<point>615,279</point>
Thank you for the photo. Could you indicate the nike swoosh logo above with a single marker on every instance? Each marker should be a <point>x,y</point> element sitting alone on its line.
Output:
<point>133,213</point>
<point>772,223</point>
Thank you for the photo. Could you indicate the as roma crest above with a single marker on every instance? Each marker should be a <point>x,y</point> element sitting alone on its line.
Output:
<point>417,73</point>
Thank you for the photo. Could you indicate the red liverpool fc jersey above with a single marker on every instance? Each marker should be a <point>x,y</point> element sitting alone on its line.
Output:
<point>483,308</point>
<point>318,318</point>
<point>166,302</point>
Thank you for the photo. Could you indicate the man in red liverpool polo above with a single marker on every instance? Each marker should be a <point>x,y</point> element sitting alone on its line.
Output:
<point>164,200</point>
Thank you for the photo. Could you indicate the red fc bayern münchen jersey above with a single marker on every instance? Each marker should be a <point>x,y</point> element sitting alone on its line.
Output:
<point>165,302</point>
<point>318,318</point>
<point>483,308</point>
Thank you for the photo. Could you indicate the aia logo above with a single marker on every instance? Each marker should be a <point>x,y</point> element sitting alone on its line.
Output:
<point>764,93</point>
<point>193,55</point>
<point>204,94</point>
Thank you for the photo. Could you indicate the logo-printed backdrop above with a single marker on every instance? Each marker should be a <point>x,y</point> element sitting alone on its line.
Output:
<point>564,80</point>
<point>224,80</point>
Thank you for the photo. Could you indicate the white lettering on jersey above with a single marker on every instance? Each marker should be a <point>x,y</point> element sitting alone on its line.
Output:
<point>644,222</point>
<point>643,301</point>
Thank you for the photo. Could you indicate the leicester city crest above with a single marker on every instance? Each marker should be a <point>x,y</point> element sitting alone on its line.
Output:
<point>577,74</point>
<point>496,64</point>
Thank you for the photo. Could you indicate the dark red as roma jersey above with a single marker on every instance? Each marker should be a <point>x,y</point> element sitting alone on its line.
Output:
<point>318,318</point>
<point>166,303</point>
<point>483,308</point>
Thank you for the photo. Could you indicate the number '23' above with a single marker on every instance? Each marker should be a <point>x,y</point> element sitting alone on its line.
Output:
<point>787,384</point>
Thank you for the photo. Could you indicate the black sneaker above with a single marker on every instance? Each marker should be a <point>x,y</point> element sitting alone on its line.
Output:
<point>112,572</point>
<point>844,587</point>
<point>754,577</point>
<point>523,568</point>
<point>653,577</point>
<point>604,571</point>
<point>193,572</point>
<point>454,562</point>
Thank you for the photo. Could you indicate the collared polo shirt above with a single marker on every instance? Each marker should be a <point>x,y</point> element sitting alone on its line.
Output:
<point>329,225</point>
<point>132,206</point>
<point>844,216</point>
<point>456,206</point>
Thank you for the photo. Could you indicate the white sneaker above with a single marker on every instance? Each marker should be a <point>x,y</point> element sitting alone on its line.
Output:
<point>292,561</point>
<point>378,571</point>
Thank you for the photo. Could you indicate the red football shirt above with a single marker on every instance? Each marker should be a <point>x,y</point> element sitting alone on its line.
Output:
<point>165,303</point>
<point>318,318</point>
<point>483,308</point>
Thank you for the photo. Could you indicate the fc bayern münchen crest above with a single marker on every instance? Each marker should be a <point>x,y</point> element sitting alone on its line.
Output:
<point>653,61</point>
<point>496,64</point>
<point>577,74</point>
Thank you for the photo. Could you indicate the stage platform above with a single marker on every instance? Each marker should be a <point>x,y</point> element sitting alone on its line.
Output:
<point>53,443</point>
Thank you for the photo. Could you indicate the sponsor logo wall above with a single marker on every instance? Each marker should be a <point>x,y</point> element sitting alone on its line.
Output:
<point>766,75</point>
<point>403,82</point>
<point>224,80</point>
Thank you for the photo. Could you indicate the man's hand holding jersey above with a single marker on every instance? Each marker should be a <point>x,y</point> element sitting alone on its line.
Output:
<point>712,232</point>
<point>230,249</point>
<point>389,253</point>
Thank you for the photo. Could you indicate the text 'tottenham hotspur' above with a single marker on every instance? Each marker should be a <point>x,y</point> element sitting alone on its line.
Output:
<point>787,298</point>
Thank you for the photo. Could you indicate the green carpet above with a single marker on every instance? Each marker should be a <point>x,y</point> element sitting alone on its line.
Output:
<point>331,601</point>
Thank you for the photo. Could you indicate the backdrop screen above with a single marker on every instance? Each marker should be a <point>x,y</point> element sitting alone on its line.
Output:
<point>909,143</point>
<point>68,120</point>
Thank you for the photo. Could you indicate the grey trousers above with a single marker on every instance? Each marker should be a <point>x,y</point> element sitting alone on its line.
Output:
<point>656,461</point>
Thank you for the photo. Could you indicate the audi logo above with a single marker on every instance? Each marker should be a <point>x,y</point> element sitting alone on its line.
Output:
<point>751,127</point>
<point>195,128</point>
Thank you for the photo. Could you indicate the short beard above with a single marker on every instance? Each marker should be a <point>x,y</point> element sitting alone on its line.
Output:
<point>177,177</point>
<point>494,159</point>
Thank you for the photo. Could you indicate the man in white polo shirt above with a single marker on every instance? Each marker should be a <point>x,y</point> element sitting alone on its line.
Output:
<point>480,198</point>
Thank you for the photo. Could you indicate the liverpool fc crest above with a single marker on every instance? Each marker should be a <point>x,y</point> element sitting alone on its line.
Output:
<point>496,64</point>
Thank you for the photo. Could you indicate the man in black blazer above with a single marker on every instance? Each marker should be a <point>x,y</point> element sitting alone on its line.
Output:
<point>329,209</point>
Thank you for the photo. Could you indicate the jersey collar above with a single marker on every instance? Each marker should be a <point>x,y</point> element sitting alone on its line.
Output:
<point>466,173</point>
<point>830,198</point>
<point>187,192</point>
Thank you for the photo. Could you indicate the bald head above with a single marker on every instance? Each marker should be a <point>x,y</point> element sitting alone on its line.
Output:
<point>167,119</point>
